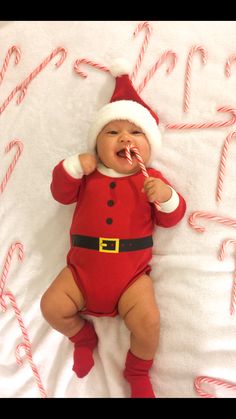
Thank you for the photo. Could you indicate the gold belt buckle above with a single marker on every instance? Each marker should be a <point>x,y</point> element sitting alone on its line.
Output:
<point>102,245</point>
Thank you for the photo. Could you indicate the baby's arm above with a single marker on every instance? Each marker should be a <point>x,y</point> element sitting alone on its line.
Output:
<point>67,175</point>
<point>157,190</point>
<point>173,205</point>
<point>88,163</point>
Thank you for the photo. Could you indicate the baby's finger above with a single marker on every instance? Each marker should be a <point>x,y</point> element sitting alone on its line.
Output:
<point>151,191</point>
<point>148,183</point>
<point>151,196</point>
<point>148,180</point>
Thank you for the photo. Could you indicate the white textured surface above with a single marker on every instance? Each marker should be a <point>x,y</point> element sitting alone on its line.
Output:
<point>198,336</point>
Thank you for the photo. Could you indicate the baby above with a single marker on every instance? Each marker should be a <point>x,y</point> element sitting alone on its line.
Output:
<point>107,270</point>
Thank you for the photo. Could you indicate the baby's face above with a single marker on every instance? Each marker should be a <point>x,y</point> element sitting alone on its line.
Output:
<point>111,143</point>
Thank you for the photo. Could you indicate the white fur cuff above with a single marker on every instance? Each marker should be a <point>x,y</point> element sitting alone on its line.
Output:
<point>73,167</point>
<point>171,204</point>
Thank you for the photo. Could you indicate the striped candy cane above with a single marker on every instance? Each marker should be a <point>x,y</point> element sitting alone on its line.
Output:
<point>11,50</point>
<point>88,62</point>
<point>192,51</point>
<point>6,268</point>
<point>135,150</point>
<point>159,62</point>
<point>224,155</point>
<point>224,248</point>
<point>216,124</point>
<point>148,28</point>
<point>223,220</point>
<point>26,345</point>
<point>228,64</point>
<point>10,169</point>
<point>204,379</point>
<point>22,87</point>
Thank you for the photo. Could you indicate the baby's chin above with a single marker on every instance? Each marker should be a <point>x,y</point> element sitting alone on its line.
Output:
<point>121,166</point>
<point>126,171</point>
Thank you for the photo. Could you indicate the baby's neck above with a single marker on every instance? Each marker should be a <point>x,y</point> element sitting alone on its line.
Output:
<point>107,171</point>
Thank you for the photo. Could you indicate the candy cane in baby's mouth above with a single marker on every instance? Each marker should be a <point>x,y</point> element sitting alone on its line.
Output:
<point>135,150</point>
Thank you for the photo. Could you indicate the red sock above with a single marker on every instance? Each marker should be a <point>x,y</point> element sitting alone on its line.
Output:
<point>85,341</point>
<point>136,373</point>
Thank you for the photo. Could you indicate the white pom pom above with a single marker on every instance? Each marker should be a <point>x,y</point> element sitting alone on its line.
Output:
<point>119,67</point>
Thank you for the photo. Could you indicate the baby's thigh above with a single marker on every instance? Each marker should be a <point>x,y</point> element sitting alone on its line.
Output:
<point>63,294</point>
<point>138,303</point>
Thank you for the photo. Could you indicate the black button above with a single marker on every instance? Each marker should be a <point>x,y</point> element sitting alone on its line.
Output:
<point>110,203</point>
<point>109,220</point>
<point>112,185</point>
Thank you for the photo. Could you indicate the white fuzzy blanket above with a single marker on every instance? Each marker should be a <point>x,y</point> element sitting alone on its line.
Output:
<point>193,288</point>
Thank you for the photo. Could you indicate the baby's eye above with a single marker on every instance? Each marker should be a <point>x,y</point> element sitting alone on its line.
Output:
<point>137,132</point>
<point>112,132</point>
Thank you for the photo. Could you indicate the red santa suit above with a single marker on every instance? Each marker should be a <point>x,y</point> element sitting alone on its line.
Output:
<point>111,230</point>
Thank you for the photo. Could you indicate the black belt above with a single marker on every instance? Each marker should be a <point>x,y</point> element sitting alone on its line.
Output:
<point>111,245</point>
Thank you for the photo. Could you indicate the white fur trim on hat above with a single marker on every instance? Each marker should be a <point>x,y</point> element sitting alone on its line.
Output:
<point>133,112</point>
<point>119,67</point>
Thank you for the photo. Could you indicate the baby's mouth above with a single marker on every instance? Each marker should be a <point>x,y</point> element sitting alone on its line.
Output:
<point>122,154</point>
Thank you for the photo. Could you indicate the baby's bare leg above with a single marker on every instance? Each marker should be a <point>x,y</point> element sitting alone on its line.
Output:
<point>60,305</point>
<point>61,302</point>
<point>138,308</point>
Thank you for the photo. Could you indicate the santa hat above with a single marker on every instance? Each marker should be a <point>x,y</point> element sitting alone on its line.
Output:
<point>126,104</point>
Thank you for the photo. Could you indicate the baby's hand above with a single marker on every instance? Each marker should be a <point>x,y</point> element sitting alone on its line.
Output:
<point>88,163</point>
<point>156,190</point>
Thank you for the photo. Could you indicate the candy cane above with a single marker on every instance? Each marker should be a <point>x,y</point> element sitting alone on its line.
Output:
<point>224,155</point>
<point>163,58</point>
<point>192,51</point>
<point>6,268</point>
<point>217,124</point>
<point>22,87</point>
<point>10,169</point>
<point>138,156</point>
<point>26,345</point>
<point>26,342</point>
<point>224,248</point>
<point>228,64</point>
<point>223,220</point>
<point>148,28</point>
<point>28,80</point>
<point>203,379</point>
<point>11,50</point>
<point>88,62</point>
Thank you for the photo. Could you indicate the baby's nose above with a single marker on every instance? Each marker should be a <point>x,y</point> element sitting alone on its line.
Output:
<point>126,138</point>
